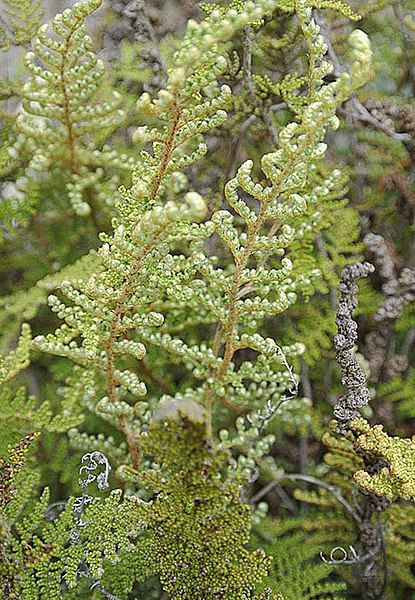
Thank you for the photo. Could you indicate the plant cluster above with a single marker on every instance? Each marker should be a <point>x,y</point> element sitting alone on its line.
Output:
<point>185,210</point>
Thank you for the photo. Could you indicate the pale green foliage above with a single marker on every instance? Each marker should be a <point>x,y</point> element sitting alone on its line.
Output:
<point>139,265</point>
<point>23,19</point>
<point>61,108</point>
<point>18,359</point>
<point>192,103</point>
<point>155,264</point>
<point>397,479</point>
<point>180,326</point>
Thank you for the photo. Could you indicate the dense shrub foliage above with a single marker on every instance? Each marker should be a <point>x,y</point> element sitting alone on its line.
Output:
<point>207,320</point>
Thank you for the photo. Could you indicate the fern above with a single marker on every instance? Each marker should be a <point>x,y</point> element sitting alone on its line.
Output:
<point>331,528</point>
<point>60,108</point>
<point>16,487</point>
<point>294,572</point>
<point>23,20</point>
<point>193,346</point>
<point>25,304</point>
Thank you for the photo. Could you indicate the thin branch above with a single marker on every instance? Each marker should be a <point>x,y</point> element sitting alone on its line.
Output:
<point>333,490</point>
<point>145,369</point>
<point>234,151</point>
<point>359,110</point>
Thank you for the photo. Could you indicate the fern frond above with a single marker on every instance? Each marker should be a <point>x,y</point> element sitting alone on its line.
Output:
<point>18,359</point>
<point>24,19</point>
<point>61,108</point>
<point>296,569</point>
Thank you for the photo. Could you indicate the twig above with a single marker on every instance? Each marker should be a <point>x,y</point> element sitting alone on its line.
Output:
<point>359,109</point>
<point>234,151</point>
<point>145,369</point>
<point>333,490</point>
<point>285,498</point>
<point>270,410</point>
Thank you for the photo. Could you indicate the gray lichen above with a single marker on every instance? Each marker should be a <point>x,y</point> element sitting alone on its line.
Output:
<point>354,378</point>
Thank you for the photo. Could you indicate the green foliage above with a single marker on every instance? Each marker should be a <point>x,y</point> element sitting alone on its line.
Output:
<point>62,106</point>
<point>25,304</point>
<point>11,466</point>
<point>334,525</point>
<point>197,525</point>
<point>396,481</point>
<point>23,20</point>
<point>54,564</point>
<point>20,414</point>
<point>18,359</point>
<point>189,241</point>
<point>14,485</point>
<point>293,571</point>
<point>400,390</point>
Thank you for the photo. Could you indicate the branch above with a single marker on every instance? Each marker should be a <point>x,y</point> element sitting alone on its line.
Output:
<point>333,490</point>
<point>359,110</point>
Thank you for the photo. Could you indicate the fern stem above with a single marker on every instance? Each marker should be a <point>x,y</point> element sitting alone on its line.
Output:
<point>128,290</point>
